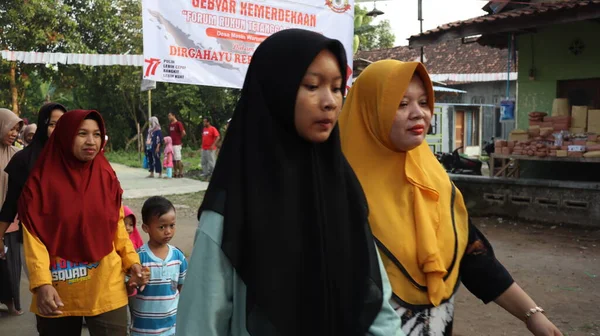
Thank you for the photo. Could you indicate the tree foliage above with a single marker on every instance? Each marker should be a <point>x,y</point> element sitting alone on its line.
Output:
<point>32,25</point>
<point>103,27</point>
<point>111,27</point>
<point>368,36</point>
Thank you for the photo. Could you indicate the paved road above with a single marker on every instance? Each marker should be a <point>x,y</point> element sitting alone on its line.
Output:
<point>135,185</point>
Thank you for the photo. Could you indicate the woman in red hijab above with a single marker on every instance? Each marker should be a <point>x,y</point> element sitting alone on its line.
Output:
<point>76,246</point>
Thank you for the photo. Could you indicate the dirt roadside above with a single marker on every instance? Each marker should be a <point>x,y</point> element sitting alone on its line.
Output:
<point>559,267</point>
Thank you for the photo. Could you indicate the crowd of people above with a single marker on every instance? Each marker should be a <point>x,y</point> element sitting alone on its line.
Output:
<point>322,217</point>
<point>172,163</point>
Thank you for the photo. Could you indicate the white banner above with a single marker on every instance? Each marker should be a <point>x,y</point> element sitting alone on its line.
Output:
<point>32,57</point>
<point>211,42</point>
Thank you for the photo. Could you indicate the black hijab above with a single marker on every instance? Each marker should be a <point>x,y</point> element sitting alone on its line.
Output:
<point>296,228</point>
<point>23,161</point>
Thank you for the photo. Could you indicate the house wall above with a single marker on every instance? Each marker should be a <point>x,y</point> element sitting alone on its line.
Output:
<point>549,51</point>
<point>485,92</point>
<point>542,201</point>
<point>482,93</point>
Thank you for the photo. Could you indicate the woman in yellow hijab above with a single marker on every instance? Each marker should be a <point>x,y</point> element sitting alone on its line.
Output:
<point>416,213</point>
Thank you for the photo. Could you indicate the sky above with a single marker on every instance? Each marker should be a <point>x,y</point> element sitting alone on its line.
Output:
<point>402,14</point>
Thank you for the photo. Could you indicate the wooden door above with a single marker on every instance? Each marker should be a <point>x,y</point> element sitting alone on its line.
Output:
<point>459,128</point>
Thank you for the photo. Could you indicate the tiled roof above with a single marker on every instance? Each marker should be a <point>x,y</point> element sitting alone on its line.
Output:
<point>533,10</point>
<point>450,57</point>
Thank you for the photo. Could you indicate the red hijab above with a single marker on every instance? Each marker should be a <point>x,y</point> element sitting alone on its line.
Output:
<point>134,236</point>
<point>72,206</point>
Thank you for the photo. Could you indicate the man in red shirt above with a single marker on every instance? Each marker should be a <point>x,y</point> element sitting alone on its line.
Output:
<point>176,132</point>
<point>210,137</point>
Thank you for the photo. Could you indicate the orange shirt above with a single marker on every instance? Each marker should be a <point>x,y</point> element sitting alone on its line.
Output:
<point>86,289</point>
<point>209,137</point>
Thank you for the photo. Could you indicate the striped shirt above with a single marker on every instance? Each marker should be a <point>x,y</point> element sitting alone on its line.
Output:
<point>154,310</point>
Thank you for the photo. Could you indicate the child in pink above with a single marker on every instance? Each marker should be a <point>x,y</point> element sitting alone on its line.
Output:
<point>130,225</point>
<point>168,161</point>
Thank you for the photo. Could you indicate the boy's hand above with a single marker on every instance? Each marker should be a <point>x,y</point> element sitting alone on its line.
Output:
<point>139,277</point>
<point>131,290</point>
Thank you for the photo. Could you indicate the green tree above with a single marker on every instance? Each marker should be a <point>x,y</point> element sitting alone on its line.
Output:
<point>96,26</point>
<point>368,36</point>
<point>32,25</point>
<point>115,26</point>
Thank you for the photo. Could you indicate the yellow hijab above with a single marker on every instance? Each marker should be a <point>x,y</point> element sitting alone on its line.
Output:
<point>418,217</point>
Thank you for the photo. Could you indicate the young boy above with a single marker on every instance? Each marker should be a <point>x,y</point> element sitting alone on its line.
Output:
<point>154,309</point>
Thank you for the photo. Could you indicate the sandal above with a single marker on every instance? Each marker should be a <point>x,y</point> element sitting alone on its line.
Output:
<point>11,309</point>
<point>16,313</point>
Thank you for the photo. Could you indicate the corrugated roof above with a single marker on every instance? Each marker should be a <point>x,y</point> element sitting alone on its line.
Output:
<point>447,89</point>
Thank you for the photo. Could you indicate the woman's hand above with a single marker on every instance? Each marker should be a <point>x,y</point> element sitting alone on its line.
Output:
<point>539,325</point>
<point>48,301</point>
<point>515,301</point>
<point>139,277</point>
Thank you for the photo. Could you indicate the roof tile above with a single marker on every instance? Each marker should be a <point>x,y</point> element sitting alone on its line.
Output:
<point>450,57</point>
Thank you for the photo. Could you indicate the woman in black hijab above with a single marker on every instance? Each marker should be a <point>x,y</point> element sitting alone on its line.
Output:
<point>283,245</point>
<point>21,164</point>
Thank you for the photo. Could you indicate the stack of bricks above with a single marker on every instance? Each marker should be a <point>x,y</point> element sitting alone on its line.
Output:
<point>502,147</point>
<point>558,123</point>
<point>539,148</point>
<point>574,147</point>
<point>577,147</point>
<point>592,146</point>
<point>536,118</point>
<point>519,148</point>
<point>592,141</point>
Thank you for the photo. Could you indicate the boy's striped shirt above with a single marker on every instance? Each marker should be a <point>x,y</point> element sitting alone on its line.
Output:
<point>154,310</point>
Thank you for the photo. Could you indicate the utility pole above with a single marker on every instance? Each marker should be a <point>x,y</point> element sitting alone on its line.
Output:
<point>420,17</point>
<point>149,106</point>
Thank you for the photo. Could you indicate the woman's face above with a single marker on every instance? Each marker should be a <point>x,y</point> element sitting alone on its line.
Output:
<point>11,135</point>
<point>129,224</point>
<point>29,137</point>
<point>319,98</point>
<point>54,116</point>
<point>87,141</point>
<point>413,117</point>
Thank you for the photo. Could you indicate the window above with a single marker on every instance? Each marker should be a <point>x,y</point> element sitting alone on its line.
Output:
<point>433,129</point>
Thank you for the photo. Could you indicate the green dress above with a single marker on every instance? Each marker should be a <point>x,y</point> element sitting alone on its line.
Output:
<point>213,300</point>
